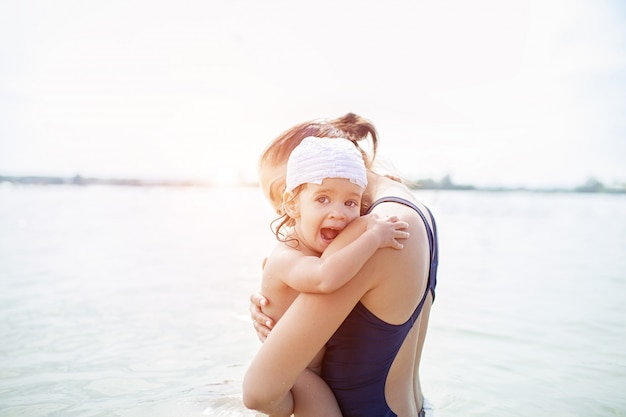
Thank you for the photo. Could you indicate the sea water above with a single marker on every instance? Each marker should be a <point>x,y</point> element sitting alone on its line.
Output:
<point>133,301</point>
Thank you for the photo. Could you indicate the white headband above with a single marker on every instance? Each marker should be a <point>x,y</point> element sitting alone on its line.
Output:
<point>315,159</point>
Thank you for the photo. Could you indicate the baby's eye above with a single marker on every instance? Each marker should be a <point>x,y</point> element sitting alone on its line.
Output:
<point>323,199</point>
<point>352,203</point>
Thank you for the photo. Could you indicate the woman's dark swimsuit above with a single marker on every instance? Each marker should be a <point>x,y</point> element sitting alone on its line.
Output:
<point>360,353</point>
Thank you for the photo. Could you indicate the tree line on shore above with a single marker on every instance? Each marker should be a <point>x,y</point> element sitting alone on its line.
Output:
<point>591,185</point>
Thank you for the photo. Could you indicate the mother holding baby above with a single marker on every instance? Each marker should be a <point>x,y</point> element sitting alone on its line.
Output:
<point>374,326</point>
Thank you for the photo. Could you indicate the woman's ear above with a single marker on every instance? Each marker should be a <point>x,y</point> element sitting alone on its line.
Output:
<point>290,205</point>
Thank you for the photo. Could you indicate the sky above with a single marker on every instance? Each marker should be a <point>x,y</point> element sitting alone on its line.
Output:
<point>492,93</point>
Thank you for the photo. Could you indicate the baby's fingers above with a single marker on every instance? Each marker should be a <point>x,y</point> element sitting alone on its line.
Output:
<point>401,234</point>
<point>397,245</point>
<point>399,224</point>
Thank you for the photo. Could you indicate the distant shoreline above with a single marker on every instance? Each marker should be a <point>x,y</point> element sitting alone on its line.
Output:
<point>590,186</point>
<point>82,181</point>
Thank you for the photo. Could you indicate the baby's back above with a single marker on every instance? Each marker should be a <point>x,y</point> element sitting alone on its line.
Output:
<point>273,286</point>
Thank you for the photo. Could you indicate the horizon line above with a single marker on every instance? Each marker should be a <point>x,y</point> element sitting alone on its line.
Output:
<point>589,186</point>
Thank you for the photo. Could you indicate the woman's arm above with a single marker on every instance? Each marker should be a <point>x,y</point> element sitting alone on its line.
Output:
<point>294,341</point>
<point>301,332</point>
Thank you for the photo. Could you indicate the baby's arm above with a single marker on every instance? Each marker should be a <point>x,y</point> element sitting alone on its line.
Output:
<point>314,274</point>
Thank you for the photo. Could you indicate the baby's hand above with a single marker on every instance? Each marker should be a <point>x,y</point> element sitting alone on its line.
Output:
<point>388,230</point>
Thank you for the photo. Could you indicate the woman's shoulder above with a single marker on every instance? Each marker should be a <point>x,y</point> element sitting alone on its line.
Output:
<point>408,210</point>
<point>399,200</point>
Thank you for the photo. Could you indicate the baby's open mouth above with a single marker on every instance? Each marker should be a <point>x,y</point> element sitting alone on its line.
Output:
<point>329,234</point>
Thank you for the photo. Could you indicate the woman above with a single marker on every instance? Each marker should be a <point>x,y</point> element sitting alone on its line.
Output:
<point>374,326</point>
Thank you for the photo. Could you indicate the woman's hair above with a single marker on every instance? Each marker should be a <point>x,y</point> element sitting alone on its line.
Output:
<point>350,126</point>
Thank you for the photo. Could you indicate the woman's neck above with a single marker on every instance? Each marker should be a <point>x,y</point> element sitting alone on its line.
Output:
<point>371,191</point>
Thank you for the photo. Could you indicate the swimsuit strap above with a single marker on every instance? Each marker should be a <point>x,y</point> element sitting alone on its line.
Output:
<point>432,235</point>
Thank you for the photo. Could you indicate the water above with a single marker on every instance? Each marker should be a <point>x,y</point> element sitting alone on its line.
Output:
<point>122,301</point>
